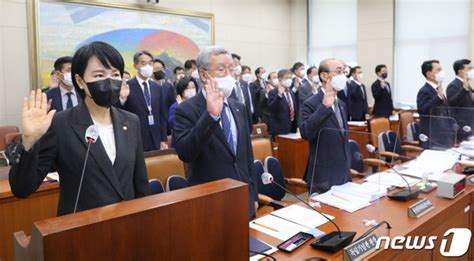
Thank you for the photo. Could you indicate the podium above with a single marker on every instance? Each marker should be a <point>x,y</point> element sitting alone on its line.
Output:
<point>203,222</point>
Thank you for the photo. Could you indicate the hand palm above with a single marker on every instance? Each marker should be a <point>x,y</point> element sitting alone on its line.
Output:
<point>35,117</point>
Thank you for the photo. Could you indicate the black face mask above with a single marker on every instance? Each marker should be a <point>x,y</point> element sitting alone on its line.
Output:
<point>159,75</point>
<point>105,92</point>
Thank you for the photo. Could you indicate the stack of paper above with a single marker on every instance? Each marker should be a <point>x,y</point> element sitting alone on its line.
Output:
<point>357,123</point>
<point>436,161</point>
<point>390,178</point>
<point>352,196</point>
<point>287,222</point>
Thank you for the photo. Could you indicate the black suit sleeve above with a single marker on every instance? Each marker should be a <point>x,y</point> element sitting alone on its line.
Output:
<point>140,177</point>
<point>312,120</point>
<point>376,90</point>
<point>427,102</point>
<point>274,100</point>
<point>192,136</point>
<point>455,94</point>
<point>28,173</point>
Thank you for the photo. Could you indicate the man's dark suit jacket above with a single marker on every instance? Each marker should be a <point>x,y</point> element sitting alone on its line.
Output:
<point>63,149</point>
<point>383,104</point>
<point>329,159</point>
<point>200,142</point>
<point>152,135</point>
<point>280,122</point>
<point>56,102</point>
<point>357,101</point>
<point>462,106</point>
<point>435,121</point>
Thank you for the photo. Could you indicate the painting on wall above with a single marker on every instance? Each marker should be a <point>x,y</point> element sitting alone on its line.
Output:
<point>59,28</point>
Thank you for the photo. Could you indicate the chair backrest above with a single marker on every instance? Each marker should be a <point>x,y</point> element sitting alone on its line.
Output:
<point>12,137</point>
<point>262,148</point>
<point>406,117</point>
<point>260,130</point>
<point>377,126</point>
<point>155,186</point>
<point>4,130</point>
<point>357,162</point>
<point>269,189</point>
<point>162,164</point>
<point>176,182</point>
<point>390,142</point>
<point>413,130</point>
<point>272,166</point>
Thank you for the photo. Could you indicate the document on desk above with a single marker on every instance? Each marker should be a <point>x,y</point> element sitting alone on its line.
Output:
<point>351,196</point>
<point>294,136</point>
<point>390,178</point>
<point>277,227</point>
<point>436,161</point>
<point>302,216</point>
<point>357,123</point>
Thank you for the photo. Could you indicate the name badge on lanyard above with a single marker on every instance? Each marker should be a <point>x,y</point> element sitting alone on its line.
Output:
<point>151,119</point>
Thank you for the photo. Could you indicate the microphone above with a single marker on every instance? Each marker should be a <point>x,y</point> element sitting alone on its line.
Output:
<point>331,242</point>
<point>92,133</point>
<point>404,195</point>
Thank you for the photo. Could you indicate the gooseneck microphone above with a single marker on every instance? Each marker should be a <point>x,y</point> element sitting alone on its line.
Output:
<point>404,195</point>
<point>331,242</point>
<point>91,137</point>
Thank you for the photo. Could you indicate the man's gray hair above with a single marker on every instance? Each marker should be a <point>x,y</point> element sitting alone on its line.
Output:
<point>283,72</point>
<point>202,61</point>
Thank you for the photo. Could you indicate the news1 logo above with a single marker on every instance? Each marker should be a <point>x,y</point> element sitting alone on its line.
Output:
<point>461,238</point>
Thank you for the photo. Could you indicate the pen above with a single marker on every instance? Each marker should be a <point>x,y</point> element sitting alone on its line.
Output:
<point>340,197</point>
<point>265,226</point>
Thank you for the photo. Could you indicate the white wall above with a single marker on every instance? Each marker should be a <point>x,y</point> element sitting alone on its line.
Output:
<point>271,33</point>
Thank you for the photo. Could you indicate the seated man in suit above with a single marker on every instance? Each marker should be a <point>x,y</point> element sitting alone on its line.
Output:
<point>210,128</point>
<point>282,106</point>
<point>383,104</point>
<point>324,126</point>
<point>145,100</point>
<point>64,97</point>
<point>432,107</point>
<point>461,95</point>
<point>357,95</point>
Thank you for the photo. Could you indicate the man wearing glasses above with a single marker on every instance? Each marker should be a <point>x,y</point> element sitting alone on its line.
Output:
<point>324,126</point>
<point>212,131</point>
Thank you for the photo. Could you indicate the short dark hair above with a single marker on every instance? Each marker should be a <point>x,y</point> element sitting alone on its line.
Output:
<point>257,71</point>
<point>296,66</point>
<point>353,70</point>
<point>189,63</point>
<point>282,73</point>
<point>245,67</point>
<point>58,64</point>
<point>270,74</point>
<point>105,53</point>
<point>177,68</point>
<point>427,66</point>
<point>310,69</point>
<point>235,56</point>
<point>459,65</point>
<point>379,67</point>
<point>137,55</point>
<point>183,84</point>
<point>156,60</point>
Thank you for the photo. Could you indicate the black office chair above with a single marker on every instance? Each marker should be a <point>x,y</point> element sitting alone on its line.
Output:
<point>268,194</point>
<point>358,162</point>
<point>176,182</point>
<point>389,143</point>
<point>155,186</point>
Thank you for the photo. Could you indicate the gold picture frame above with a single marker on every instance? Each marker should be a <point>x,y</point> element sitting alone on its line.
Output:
<point>35,44</point>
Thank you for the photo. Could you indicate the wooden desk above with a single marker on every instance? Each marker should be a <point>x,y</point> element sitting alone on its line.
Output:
<point>293,157</point>
<point>446,214</point>
<point>19,214</point>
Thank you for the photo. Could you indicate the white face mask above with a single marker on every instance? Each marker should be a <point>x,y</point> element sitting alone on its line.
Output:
<point>302,73</point>
<point>470,74</point>
<point>315,79</point>
<point>439,77</point>
<point>195,74</point>
<point>286,83</point>
<point>238,70</point>
<point>246,77</point>
<point>189,93</point>
<point>146,71</point>
<point>226,85</point>
<point>339,82</point>
<point>275,82</point>
<point>67,79</point>
<point>264,76</point>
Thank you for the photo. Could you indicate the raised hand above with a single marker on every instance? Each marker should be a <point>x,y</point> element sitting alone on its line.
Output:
<point>329,95</point>
<point>35,119</point>
<point>215,98</point>
<point>179,99</point>
<point>124,90</point>
<point>281,89</point>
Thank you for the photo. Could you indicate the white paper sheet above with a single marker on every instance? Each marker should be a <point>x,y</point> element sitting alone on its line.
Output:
<point>303,216</point>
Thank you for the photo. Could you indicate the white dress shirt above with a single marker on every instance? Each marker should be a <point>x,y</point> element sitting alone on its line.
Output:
<point>64,97</point>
